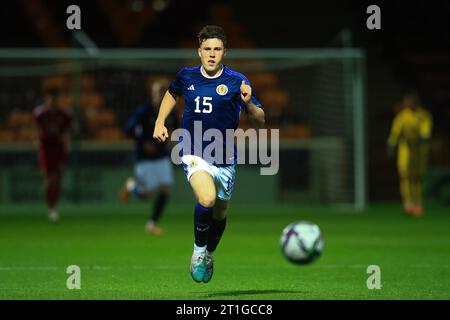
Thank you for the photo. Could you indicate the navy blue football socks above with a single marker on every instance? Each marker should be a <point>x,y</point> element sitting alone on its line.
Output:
<point>158,206</point>
<point>215,233</point>
<point>202,221</point>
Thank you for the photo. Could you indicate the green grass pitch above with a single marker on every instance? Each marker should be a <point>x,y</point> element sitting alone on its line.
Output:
<point>119,261</point>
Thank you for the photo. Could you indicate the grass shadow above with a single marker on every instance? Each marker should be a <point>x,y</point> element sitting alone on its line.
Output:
<point>236,293</point>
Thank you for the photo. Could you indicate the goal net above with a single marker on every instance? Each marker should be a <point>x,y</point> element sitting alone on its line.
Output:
<point>315,97</point>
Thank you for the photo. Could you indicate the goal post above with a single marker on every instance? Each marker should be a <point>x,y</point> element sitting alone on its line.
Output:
<point>316,97</point>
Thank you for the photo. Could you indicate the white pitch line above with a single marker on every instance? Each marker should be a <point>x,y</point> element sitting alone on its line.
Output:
<point>175,267</point>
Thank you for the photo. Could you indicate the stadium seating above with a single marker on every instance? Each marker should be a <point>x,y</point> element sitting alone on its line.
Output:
<point>103,122</point>
<point>427,68</point>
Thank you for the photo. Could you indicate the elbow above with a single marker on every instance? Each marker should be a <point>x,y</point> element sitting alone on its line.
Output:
<point>257,118</point>
<point>262,121</point>
<point>258,122</point>
<point>262,118</point>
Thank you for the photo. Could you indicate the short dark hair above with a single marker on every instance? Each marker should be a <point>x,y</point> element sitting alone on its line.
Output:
<point>210,32</point>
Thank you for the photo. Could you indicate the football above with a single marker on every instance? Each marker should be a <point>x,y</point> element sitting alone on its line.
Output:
<point>301,242</point>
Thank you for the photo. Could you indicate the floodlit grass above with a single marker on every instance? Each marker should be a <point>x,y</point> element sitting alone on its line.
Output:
<point>119,261</point>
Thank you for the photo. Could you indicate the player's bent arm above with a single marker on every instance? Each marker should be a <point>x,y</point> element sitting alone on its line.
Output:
<point>132,122</point>
<point>395,132</point>
<point>426,127</point>
<point>167,104</point>
<point>394,136</point>
<point>256,115</point>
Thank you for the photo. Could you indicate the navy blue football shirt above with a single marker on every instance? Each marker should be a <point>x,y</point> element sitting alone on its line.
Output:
<point>140,126</point>
<point>214,103</point>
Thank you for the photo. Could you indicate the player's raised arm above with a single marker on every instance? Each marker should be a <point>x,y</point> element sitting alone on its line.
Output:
<point>167,104</point>
<point>255,115</point>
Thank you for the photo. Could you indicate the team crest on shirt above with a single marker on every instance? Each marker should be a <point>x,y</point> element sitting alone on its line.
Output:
<point>222,89</point>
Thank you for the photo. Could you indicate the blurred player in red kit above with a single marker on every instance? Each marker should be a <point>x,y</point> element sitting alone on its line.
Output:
<point>53,125</point>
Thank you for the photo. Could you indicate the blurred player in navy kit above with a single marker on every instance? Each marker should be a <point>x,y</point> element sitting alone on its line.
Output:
<point>214,96</point>
<point>153,168</point>
<point>53,125</point>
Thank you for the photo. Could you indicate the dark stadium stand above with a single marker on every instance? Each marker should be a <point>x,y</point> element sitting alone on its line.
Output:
<point>411,50</point>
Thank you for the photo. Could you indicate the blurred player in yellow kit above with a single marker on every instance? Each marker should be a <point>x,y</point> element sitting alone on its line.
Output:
<point>410,133</point>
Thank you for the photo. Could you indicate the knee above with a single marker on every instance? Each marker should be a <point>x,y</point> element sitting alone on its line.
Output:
<point>207,200</point>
